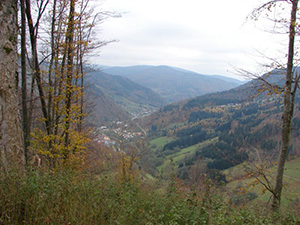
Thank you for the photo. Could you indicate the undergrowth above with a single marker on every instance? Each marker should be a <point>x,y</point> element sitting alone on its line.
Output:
<point>72,197</point>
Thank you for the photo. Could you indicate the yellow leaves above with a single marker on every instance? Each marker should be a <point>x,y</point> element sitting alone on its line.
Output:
<point>52,146</point>
<point>62,86</point>
<point>276,91</point>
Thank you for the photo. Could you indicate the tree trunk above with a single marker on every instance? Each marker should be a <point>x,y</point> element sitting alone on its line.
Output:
<point>25,118</point>
<point>288,111</point>
<point>37,72</point>
<point>11,143</point>
<point>70,46</point>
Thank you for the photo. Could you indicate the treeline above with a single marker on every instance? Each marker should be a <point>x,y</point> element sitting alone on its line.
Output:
<point>186,141</point>
<point>189,131</point>
<point>200,115</point>
<point>209,100</point>
<point>223,154</point>
<point>188,137</point>
<point>228,151</point>
<point>169,108</point>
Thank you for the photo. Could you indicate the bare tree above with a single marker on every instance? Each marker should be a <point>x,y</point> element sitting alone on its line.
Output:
<point>291,85</point>
<point>33,32</point>
<point>289,94</point>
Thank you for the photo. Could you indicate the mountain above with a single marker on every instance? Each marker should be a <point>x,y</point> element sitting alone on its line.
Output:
<point>174,84</point>
<point>118,98</point>
<point>229,79</point>
<point>220,130</point>
<point>242,94</point>
<point>254,89</point>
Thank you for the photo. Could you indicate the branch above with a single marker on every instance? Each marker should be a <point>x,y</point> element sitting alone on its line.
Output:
<point>42,9</point>
<point>267,183</point>
<point>44,59</point>
<point>272,87</point>
<point>257,12</point>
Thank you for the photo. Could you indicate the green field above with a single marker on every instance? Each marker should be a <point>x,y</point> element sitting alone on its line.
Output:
<point>160,142</point>
<point>173,125</point>
<point>293,169</point>
<point>239,183</point>
<point>186,152</point>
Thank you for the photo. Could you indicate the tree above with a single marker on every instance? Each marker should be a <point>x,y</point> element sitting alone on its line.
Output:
<point>25,115</point>
<point>55,84</point>
<point>291,85</point>
<point>11,146</point>
<point>56,58</point>
<point>289,93</point>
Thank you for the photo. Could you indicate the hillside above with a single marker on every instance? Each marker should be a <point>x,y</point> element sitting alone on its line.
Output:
<point>181,112</point>
<point>102,109</point>
<point>118,98</point>
<point>242,187</point>
<point>174,84</point>
<point>214,132</point>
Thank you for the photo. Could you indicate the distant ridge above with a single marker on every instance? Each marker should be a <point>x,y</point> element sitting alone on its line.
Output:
<point>244,93</point>
<point>172,83</point>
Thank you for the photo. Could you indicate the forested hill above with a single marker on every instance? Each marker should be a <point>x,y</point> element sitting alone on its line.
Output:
<point>254,90</point>
<point>118,98</point>
<point>174,84</point>
<point>219,129</point>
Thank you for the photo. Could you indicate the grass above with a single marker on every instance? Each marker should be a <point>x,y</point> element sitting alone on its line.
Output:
<point>292,169</point>
<point>160,142</point>
<point>291,189</point>
<point>186,152</point>
<point>173,125</point>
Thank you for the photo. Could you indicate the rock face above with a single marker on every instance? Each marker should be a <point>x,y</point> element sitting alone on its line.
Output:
<point>11,148</point>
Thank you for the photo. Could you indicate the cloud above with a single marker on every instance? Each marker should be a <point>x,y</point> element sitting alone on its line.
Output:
<point>204,36</point>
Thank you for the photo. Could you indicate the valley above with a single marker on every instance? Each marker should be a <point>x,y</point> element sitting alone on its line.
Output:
<point>128,112</point>
<point>115,98</point>
<point>138,91</point>
<point>215,133</point>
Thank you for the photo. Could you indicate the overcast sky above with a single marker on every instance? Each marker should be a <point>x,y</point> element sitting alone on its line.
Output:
<point>208,37</point>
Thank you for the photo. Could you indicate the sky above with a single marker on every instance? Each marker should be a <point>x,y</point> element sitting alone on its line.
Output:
<point>208,37</point>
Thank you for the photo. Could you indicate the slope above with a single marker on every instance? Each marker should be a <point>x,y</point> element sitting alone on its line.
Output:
<point>239,120</point>
<point>101,109</point>
<point>174,84</point>
<point>118,98</point>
